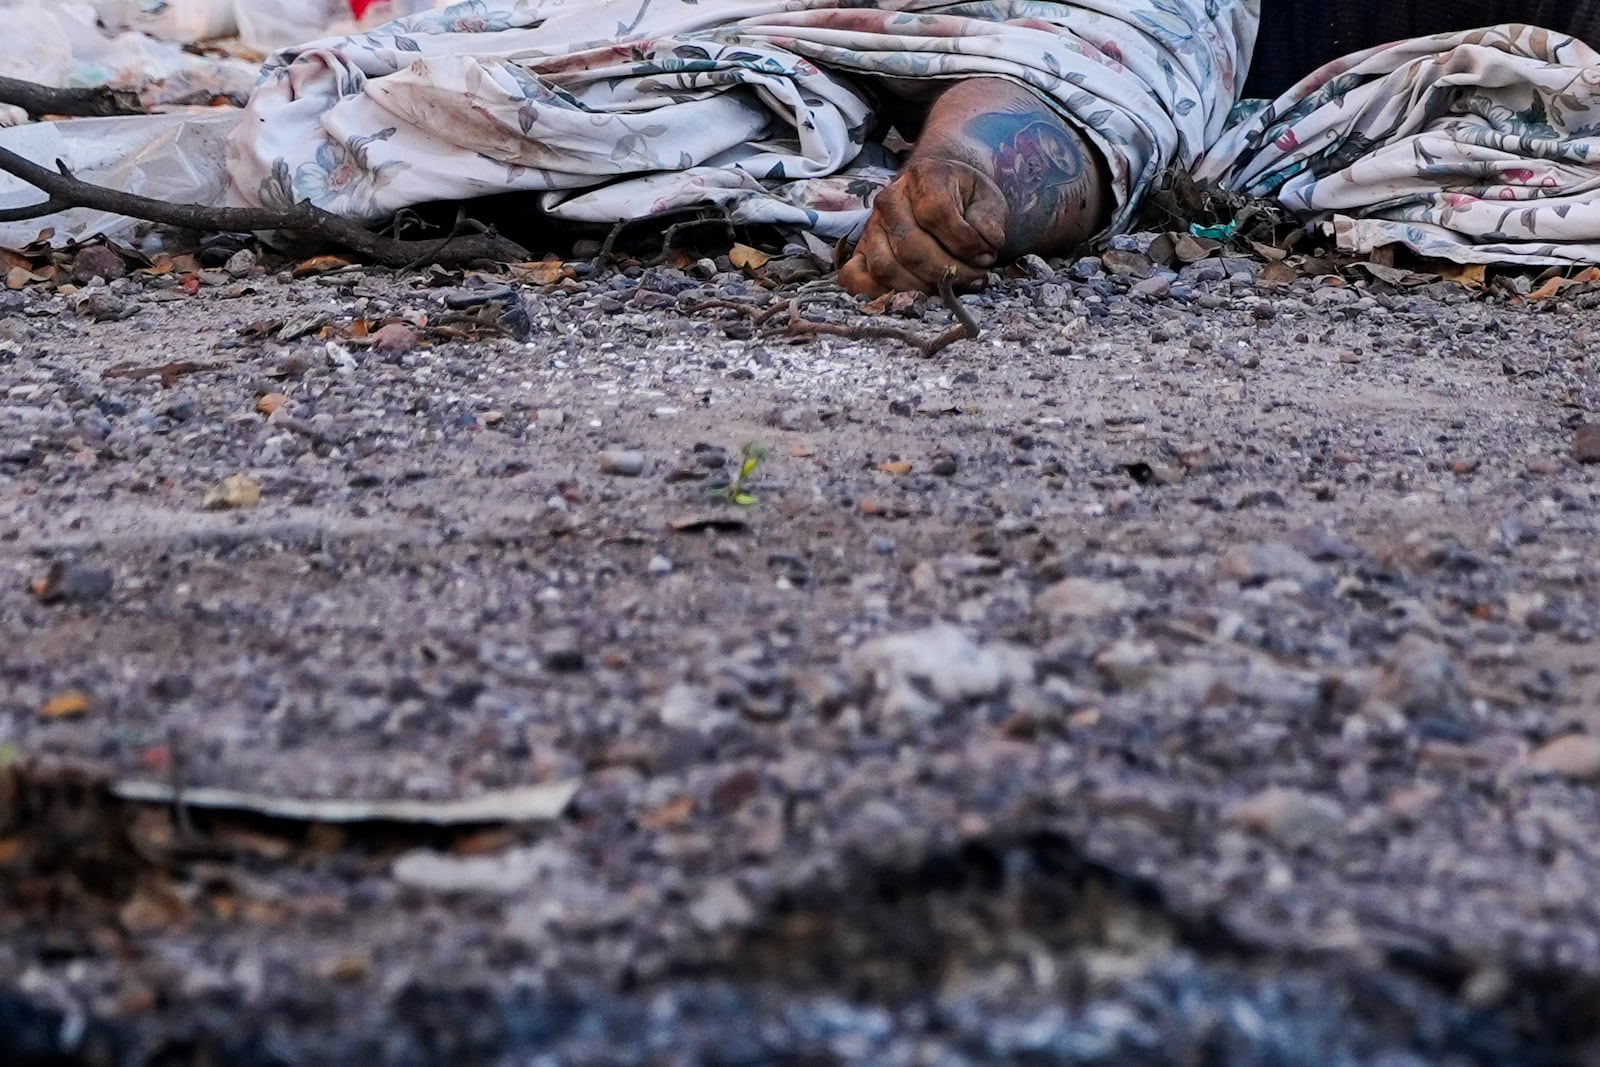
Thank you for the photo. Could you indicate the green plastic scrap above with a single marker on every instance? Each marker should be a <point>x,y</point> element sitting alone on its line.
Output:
<point>1225,232</point>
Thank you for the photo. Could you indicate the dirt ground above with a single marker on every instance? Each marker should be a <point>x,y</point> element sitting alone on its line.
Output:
<point>1164,677</point>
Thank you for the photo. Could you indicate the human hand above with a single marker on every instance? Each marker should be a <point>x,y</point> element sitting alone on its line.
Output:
<point>938,215</point>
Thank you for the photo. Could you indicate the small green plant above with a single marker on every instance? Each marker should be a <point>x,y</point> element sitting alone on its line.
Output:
<point>735,492</point>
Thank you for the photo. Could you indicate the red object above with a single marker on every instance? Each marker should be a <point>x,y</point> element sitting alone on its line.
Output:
<point>359,7</point>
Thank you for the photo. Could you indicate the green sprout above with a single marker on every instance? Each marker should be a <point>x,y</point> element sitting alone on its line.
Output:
<point>750,458</point>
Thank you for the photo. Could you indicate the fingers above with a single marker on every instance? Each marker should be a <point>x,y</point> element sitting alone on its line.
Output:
<point>938,216</point>
<point>960,208</point>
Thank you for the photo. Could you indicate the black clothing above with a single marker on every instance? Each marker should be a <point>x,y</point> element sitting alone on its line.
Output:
<point>1298,36</point>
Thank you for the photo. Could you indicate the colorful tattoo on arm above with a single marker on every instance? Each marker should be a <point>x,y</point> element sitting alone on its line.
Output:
<point>1043,171</point>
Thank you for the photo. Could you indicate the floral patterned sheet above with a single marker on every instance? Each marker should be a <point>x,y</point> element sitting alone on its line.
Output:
<point>1473,146</point>
<point>1479,147</point>
<point>614,109</point>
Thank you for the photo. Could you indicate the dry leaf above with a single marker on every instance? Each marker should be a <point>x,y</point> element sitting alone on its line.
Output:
<point>746,258</point>
<point>671,814</point>
<point>319,265</point>
<point>1471,275</point>
<point>65,705</point>
<point>271,402</point>
<point>1277,275</point>
<point>546,272</point>
<point>235,491</point>
<point>896,467</point>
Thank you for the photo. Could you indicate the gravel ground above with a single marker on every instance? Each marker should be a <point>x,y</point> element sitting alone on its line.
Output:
<point>1185,672</point>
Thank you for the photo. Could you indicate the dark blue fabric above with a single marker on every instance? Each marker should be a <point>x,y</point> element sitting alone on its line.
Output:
<point>1298,36</point>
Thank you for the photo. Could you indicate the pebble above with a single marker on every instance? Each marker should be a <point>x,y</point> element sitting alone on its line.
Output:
<point>235,491</point>
<point>1419,679</point>
<point>1083,598</point>
<point>1128,664</point>
<point>240,263</point>
<point>506,874</point>
<point>74,583</point>
<point>1261,562</point>
<point>1153,288</point>
<point>561,649</point>
<point>395,339</point>
<point>97,261</point>
<point>919,674</point>
<point>1586,443</point>
<point>1575,757</point>
<point>622,464</point>
<point>1290,817</point>
<point>721,907</point>
<point>689,707</point>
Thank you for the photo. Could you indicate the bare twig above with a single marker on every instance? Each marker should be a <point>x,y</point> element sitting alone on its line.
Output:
<point>670,234</point>
<point>609,243</point>
<point>965,328</point>
<point>39,100</point>
<point>63,191</point>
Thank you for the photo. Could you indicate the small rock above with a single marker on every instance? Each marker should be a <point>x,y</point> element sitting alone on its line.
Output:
<point>236,491</point>
<point>919,674</point>
<point>73,583</point>
<point>1575,757</point>
<point>506,874</point>
<point>622,464</point>
<point>395,339</point>
<point>1288,816</point>
<point>102,306</point>
<point>721,907</point>
<point>1154,288</point>
<point>1083,598</point>
<point>240,263</point>
<point>1419,679</point>
<point>97,261</point>
<point>1586,443</point>
<point>561,650</point>
<point>659,566</point>
<point>1259,563</point>
<point>1128,663</point>
<point>689,707</point>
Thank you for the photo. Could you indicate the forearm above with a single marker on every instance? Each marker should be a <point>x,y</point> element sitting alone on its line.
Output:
<point>1054,182</point>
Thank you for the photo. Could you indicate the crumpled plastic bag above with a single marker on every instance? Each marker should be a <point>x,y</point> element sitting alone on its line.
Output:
<point>61,43</point>
<point>260,25</point>
<point>175,157</point>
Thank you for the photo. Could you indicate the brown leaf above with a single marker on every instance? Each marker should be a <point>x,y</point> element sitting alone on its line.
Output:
<point>68,704</point>
<point>545,272</point>
<point>746,258</point>
<point>318,265</point>
<point>1192,249</point>
<point>1277,275</point>
<point>669,815</point>
<point>1471,275</point>
<point>897,467</point>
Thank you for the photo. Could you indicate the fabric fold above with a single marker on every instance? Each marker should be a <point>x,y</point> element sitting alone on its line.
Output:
<point>765,108</point>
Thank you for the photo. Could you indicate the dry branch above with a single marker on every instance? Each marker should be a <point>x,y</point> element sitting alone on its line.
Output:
<point>965,328</point>
<point>63,191</point>
<point>38,100</point>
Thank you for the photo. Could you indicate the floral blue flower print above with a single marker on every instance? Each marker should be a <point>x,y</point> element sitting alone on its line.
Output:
<point>342,179</point>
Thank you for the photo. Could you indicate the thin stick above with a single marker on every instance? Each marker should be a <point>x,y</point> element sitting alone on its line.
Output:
<point>966,327</point>
<point>64,190</point>
<point>39,100</point>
